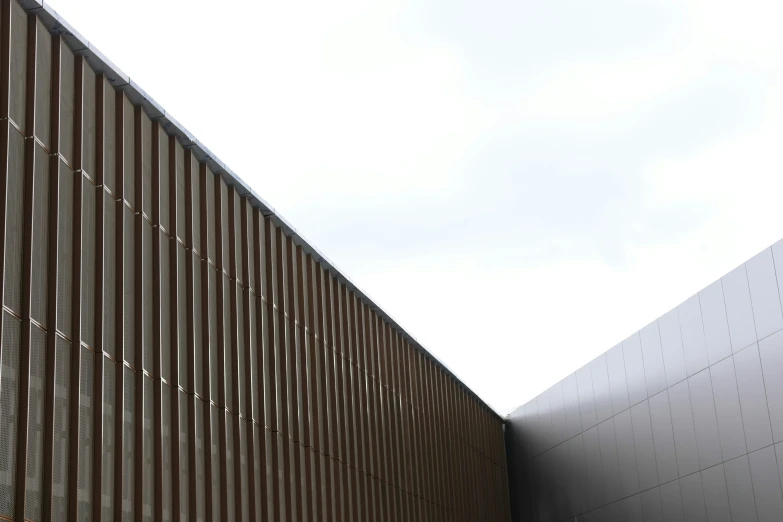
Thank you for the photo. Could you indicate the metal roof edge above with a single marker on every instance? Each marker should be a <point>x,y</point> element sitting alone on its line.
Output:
<point>118,79</point>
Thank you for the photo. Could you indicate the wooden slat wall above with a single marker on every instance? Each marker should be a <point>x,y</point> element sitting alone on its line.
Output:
<point>169,353</point>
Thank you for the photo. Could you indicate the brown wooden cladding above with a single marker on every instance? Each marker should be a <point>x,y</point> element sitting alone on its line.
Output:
<point>170,353</point>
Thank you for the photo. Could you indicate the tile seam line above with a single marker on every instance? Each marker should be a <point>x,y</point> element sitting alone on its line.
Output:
<point>709,365</point>
<point>669,482</point>
<point>648,398</point>
<point>55,24</point>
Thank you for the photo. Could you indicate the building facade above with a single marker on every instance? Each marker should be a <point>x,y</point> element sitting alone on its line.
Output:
<point>173,350</point>
<point>681,421</point>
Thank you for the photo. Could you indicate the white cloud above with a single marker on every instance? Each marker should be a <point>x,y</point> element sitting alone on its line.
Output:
<point>522,184</point>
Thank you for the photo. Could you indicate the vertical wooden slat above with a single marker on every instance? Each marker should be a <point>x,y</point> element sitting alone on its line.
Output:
<point>5,66</point>
<point>449,445</point>
<point>359,486</point>
<point>384,460</point>
<point>373,414</point>
<point>246,392</point>
<point>233,357</point>
<point>293,365</point>
<point>27,252</point>
<point>368,425</point>
<point>281,375</point>
<point>322,380</point>
<point>119,306</point>
<point>205,335</point>
<point>97,472</point>
<point>76,303</point>
<point>351,491</point>
<point>5,72</point>
<point>382,423</point>
<point>221,400</point>
<point>157,422</point>
<point>331,388</point>
<point>439,442</point>
<point>306,384</point>
<point>405,424</point>
<point>269,363</point>
<point>140,302</point>
<point>337,397</point>
<point>424,430</point>
<point>174,318</point>
<point>264,503</point>
<point>316,404</point>
<point>190,322</point>
<point>306,346</point>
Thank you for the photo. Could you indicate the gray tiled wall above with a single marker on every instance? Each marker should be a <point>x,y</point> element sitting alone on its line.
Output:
<point>682,421</point>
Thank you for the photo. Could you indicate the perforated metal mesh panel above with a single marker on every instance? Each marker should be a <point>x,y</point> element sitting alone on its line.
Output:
<point>224,216</point>
<point>109,141</point>
<point>273,486</point>
<point>62,430</point>
<point>66,102</point>
<point>244,402</point>
<point>213,333</point>
<point>148,454</point>
<point>165,182</point>
<point>147,308</point>
<point>128,444</point>
<point>194,193</point>
<point>267,364</point>
<point>65,251</point>
<point>129,153</point>
<point>109,425</point>
<point>255,363</point>
<point>35,425</point>
<point>43,83</point>
<point>184,467</point>
<point>210,192</point>
<point>276,363</point>
<point>130,287</point>
<point>237,219</point>
<point>9,409</point>
<point>244,429</point>
<point>39,280</point>
<point>166,283</point>
<point>259,235</point>
<point>146,164</point>
<point>180,195</point>
<point>88,122</point>
<point>18,78</point>
<point>250,242</point>
<point>86,401</point>
<point>228,349</point>
<point>89,227</point>
<point>166,443</point>
<point>182,316</point>
<point>109,273</point>
<point>12,279</point>
<point>229,463</point>
<point>198,321</point>
<point>216,460</point>
<point>200,456</point>
<point>258,470</point>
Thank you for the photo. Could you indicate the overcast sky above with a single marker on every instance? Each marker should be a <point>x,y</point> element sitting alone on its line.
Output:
<point>521,184</point>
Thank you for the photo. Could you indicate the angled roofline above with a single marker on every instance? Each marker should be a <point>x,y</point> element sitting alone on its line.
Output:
<point>118,79</point>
